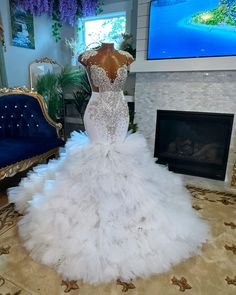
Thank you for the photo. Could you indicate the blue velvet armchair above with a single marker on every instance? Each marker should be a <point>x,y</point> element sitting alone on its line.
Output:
<point>27,134</point>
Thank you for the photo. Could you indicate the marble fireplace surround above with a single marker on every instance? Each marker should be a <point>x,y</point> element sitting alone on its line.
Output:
<point>213,91</point>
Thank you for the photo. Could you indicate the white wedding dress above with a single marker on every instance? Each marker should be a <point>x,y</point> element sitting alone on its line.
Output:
<point>104,210</point>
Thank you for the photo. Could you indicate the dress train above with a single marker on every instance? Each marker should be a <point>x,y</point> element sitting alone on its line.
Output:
<point>104,211</point>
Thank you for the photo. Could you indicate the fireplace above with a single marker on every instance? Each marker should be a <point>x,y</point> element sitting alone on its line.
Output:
<point>193,143</point>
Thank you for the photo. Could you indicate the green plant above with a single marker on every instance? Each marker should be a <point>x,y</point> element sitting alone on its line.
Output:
<point>81,97</point>
<point>56,27</point>
<point>70,76</point>
<point>48,86</point>
<point>126,44</point>
<point>51,87</point>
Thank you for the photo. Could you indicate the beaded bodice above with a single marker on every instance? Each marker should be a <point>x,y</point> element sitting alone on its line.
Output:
<point>106,117</point>
<point>101,80</point>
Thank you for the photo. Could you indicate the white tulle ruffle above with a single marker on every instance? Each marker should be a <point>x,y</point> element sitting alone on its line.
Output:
<point>107,211</point>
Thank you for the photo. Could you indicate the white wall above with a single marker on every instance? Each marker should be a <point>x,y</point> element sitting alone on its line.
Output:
<point>17,59</point>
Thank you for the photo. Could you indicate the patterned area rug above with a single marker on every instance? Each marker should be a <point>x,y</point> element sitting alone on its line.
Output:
<point>211,273</point>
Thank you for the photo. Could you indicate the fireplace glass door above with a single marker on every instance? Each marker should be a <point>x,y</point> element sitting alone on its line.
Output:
<point>194,143</point>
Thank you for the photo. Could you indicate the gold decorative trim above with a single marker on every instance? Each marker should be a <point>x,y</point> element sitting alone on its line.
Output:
<point>8,218</point>
<point>231,248</point>
<point>4,250</point>
<point>6,208</point>
<point>231,281</point>
<point>11,170</point>
<point>20,90</point>
<point>45,59</point>
<point>233,179</point>
<point>182,283</point>
<point>231,224</point>
<point>204,191</point>
<point>34,94</point>
<point>126,286</point>
<point>2,282</point>
<point>226,198</point>
<point>225,201</point>
<point>196,207</point>
<point>70,285</point>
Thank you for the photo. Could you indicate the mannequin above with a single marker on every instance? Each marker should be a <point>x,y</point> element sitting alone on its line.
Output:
<point>108,58</point>
<point>104,210</point>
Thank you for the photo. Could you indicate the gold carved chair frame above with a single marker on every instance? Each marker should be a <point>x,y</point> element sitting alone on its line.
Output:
<point>14,168</point>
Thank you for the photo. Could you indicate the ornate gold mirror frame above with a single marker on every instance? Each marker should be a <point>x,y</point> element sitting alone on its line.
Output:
<point>41,67</point>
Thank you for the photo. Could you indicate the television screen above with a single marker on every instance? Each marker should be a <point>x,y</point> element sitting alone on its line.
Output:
<point>192,28</point>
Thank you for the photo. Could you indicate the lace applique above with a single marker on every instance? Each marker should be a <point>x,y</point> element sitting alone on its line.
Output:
<point>103,82</point>
<point>87,54</point>
<point>127,54</point>
<point>110,112</point>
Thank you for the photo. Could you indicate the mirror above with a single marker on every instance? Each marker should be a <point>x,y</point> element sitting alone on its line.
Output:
<point>41,67</point>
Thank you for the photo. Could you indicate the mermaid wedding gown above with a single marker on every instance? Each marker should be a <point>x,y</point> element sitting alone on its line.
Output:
<point>104,210</point>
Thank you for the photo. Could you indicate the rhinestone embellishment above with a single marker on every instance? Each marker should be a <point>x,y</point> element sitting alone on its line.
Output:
<point>103,82</point>
<point>87,54</point>
<point>127,54</point>
<point>109,110</point>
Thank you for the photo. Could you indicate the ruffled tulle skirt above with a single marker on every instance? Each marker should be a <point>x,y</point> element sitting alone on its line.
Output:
<point>106,211</point>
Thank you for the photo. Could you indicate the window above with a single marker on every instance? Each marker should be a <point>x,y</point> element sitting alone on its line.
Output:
<point>105,28</point>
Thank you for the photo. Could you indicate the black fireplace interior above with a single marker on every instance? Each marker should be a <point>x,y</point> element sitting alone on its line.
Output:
<point>194,143</point>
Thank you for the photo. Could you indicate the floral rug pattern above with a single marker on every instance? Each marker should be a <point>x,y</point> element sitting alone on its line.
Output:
<point>211,273</point>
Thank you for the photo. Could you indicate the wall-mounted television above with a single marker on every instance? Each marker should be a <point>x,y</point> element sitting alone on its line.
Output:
<point>191,29</point>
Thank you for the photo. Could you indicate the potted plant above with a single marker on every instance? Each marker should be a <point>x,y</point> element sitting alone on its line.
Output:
<point>51,87</point>
<point>48,86</point>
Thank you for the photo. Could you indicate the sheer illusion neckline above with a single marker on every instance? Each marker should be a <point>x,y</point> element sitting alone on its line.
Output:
<point>118,72</point>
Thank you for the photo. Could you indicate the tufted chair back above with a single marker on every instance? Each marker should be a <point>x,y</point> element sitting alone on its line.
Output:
<point>21,116</point>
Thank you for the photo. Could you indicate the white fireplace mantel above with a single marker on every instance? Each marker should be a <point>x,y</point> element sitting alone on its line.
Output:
<point>183,65</point>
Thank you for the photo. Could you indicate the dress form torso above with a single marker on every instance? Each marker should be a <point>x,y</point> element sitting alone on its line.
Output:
<point>104,210</point>
<point>106,117</point>
<point>106,58</point>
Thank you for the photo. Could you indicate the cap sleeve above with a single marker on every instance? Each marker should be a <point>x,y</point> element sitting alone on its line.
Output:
<point>85,56</point>
<point>129,57</point>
